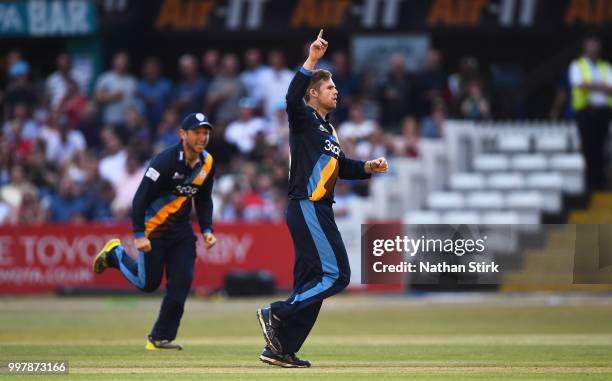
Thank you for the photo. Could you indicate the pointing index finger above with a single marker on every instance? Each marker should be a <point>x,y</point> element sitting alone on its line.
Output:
<point>320,34</point>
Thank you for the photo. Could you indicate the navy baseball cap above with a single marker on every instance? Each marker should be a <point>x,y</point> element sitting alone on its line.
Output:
<point>195,120</point>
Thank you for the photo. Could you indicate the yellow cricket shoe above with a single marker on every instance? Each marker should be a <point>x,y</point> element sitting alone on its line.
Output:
<point>158,345</point>
<point>99,262</point>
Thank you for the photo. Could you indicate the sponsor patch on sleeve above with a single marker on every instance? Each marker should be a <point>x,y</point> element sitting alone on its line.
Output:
<point>152,174</point>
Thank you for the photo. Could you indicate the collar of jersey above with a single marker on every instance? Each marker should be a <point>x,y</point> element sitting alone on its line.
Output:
<point>180,155</point>
<point>326,119</point>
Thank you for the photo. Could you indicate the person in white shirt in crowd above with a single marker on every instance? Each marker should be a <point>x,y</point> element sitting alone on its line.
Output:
<point>274,82</point>
<point>15,191</point>
<point>242,132</point>
<point>591,81</point>
<point>278,129</point>
<point>116,90</point>
<point>126,183</point>
<point>61,142</point>
<point>253,69</point>
<point>357,126</point>
<point>114,156</point>
<point>56,85</point>
<point>376,144</point>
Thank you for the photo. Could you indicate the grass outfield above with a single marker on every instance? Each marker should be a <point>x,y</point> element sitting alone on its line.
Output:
<point>356,338</point>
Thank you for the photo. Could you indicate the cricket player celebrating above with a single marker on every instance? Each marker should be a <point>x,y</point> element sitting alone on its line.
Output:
<point>321,267</point>
<point>162,226</point>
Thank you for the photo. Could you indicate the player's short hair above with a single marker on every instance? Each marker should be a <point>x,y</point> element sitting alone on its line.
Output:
<point>317,77</point>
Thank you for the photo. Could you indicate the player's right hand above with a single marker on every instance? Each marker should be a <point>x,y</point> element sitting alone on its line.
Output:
<point>142,244</point>
<point>318,47</point>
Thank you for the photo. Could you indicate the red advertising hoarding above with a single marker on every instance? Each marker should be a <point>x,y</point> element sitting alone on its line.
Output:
<point>46,258</point>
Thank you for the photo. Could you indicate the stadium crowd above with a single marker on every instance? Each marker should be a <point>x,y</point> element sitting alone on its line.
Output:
<point>70,152</point>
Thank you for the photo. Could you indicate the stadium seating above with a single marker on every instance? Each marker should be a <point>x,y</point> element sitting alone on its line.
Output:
<point>491,172</point>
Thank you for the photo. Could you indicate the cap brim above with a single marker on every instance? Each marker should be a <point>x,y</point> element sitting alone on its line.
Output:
<point>202,124</point>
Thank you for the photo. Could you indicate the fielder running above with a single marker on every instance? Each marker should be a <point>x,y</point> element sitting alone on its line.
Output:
<point>162,226</point>
<point>321,267</point>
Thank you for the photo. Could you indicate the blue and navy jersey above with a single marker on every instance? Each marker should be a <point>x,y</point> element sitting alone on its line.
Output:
<point>162,203</point>
<point>316,159</point>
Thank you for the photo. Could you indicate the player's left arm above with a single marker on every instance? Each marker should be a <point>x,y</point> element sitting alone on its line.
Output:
<point>379,165</point>
<point>204,209</point>
<point>359,170</point>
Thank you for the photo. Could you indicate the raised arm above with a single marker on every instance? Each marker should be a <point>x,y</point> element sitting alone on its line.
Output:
<point>296,108</point>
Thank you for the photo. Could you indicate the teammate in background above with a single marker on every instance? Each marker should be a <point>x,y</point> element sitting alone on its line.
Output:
<point>162,226</point>
<point>321,266</point>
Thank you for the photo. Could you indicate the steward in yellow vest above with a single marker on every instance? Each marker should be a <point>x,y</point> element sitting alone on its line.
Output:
<point>591,81</point>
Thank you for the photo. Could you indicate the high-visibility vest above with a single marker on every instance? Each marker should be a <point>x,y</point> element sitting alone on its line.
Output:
<point>580,97</point>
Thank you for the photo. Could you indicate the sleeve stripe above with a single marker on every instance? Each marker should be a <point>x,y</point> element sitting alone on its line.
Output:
<point>305,71</point>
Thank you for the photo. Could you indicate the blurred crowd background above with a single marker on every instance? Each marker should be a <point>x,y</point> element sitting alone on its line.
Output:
<point>70,155</point>
<point>74,148</point>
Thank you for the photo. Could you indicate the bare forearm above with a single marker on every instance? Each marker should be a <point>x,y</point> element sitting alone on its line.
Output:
<point>310,63</point>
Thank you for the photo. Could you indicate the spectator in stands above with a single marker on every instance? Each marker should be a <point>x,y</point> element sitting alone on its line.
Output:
<point>154,91</point>
<point>56,85</point>
<point>210,64</point>
<point>31,211</point>
<point>374,144</point>
<point>432,82</point>
<point>6,159</point>
<point>250,76</point>
<point>135,132</point>
<point>474,105</point>
<point>225,92</point>
<point>61,142</point>
<point>20,130</point>
<point>467,72</point>
<point>77,168</point>
<point>189,93</point>
<point>278,127</point>
<point>126,183</point>
<point>407,144</point>
<point>88,124</point>
<point>274,82</point>
<point>357,127</point>
<point>432,126</point>
<point>15,192</point>
<point>396,93</point>
<point>167,131</point>
<point>73,103</point>
<point>101,199</point>
<point>222,150</point>
<point>346,82</point>
<point>7,215</point>
<point>11,57</point>
<point>69,204</point>
<point>19,89</point>
<point>114,156</point>
<point>43,174</point>
<point>116,90</point>
<point>242,132</point>
<point>591,81</point>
